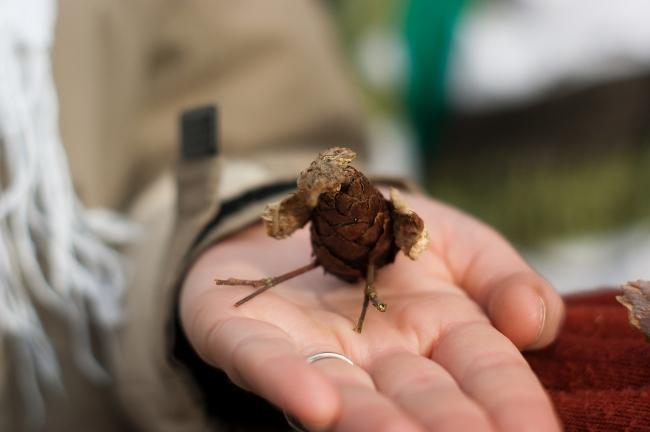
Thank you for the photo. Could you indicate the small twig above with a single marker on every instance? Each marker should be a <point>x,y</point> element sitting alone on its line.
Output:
<point>370,295</point>
<point>362,316</point>
<point>370,289</point>
<point>266,283</point>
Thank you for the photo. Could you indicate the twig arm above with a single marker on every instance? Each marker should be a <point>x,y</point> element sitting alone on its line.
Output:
<point>266,283</point>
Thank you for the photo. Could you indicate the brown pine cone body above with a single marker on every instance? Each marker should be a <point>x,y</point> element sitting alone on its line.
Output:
<point>352,228</point>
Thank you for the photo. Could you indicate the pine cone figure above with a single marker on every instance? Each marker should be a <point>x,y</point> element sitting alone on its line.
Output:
<point>354,230</point>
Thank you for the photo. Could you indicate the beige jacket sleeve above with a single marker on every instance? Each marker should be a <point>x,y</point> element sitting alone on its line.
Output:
<point>275,73</point>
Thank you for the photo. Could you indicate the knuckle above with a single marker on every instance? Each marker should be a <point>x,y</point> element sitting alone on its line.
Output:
<point>492,362</point>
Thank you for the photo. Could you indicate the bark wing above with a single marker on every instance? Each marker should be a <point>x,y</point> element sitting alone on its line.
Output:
<point>411,236</point>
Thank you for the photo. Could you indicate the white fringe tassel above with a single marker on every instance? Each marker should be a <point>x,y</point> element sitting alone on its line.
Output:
<point>53,252</point>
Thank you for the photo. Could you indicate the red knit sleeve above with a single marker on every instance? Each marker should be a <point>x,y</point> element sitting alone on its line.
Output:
<point>598,370</point>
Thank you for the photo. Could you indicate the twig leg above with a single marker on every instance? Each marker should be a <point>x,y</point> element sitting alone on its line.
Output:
<point>370,295</point>
<point>370,290</point>
<point>362,316</point>
<point>266,283</point>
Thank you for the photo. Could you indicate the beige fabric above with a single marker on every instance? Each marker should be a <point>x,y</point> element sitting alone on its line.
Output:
<point>124,70</point>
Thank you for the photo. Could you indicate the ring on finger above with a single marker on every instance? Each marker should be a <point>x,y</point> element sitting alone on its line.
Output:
<point>293,422</point>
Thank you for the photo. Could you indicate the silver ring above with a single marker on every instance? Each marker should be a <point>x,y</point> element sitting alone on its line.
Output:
<point>326,354</point>
<point>294,423</point>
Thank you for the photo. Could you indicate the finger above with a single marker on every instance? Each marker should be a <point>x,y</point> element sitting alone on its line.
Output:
<point>261,358</point>
<point>490,369</point>
<point>525,309</point>
<point>363,408</point>
<point>520,303</point>
<point>428,393</point>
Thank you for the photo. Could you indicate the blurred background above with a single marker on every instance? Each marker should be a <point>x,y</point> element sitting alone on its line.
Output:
<point>533,115</point>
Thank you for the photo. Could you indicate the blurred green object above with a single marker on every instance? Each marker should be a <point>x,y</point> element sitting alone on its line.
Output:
<point>532,197</point>
<point>563,165</point>
<point>425,29</point>
<point>429,28</point>
<point>358,20</point>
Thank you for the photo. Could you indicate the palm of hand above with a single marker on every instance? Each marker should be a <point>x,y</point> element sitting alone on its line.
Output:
<point>432,361</point>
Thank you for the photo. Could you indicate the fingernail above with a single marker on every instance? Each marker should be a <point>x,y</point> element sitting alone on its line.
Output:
<point>542,315</point>
<point>296,425</point>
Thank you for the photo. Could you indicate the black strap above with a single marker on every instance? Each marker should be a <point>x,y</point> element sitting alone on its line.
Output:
<point>199,132</point>
<point>234,205</point>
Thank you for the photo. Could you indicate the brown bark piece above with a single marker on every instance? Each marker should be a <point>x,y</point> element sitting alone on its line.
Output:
<point>283,218</point>
<point>636,298</point>
<point>325,174</point>
<point>411,236</point>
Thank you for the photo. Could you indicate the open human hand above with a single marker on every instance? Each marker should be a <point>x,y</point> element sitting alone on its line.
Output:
<point>443,357</point>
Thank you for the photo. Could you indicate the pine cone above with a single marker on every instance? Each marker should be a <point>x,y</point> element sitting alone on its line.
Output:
<point>352,228</point>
